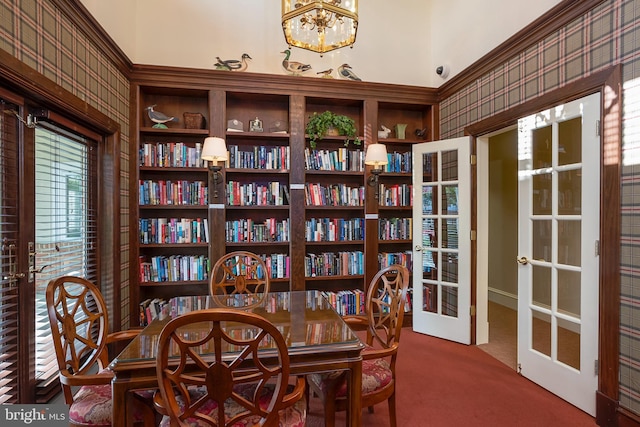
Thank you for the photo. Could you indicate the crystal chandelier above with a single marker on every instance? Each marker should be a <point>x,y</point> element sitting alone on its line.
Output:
<point>321,25</point>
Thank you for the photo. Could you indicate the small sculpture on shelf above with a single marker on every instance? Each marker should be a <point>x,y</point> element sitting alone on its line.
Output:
<point>233,64</point>
<point>421,133</point>
<point>384,133</point>
<point>255,125</point>
<point>326,74</point>
<point>346,72</point>
<point>159,118</point>
<point>294,67</point>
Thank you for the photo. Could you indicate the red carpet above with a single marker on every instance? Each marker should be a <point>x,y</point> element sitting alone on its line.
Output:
<point>441,383</point>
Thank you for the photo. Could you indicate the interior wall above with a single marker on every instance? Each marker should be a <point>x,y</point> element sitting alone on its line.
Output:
<point>603,37</point>
<point>43,38</point>
<point>503,218</point>
<point>399,42</point>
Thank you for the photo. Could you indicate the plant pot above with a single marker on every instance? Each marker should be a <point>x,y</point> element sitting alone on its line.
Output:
<point>332,131</point>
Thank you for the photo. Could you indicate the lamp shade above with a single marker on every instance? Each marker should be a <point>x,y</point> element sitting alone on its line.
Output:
<point>376,155</point>
<point>214,149</point>
<point>320,25</point>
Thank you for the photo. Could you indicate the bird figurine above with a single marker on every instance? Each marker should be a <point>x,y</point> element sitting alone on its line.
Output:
<point>159,118</point>
<point>326,74</point>
<point>233,64</point>
<point>346,72</point>
<point>295,68</point>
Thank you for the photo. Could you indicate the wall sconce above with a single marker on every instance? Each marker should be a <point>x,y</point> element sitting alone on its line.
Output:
<point>377,157</point>
<point>214,150</point>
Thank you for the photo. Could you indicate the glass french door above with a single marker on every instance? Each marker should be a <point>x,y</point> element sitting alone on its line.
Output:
<point>441,239</point>
<point>12,278</point>
<point>558,232</point>
<point>48,189</point>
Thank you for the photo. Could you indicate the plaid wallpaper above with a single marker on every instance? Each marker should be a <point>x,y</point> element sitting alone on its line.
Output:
<point>39,35</point>
<point>35,32</point>
<point>607,35</point>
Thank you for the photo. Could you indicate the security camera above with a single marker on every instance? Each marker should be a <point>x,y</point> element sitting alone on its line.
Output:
<point>442,71</point>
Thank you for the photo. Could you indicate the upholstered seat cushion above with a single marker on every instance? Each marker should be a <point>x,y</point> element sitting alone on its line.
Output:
<point>293,416</point>
<point>92,406</point>
<point>376,374</point>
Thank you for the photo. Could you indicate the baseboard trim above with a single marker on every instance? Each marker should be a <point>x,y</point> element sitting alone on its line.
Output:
<point>610,414</point>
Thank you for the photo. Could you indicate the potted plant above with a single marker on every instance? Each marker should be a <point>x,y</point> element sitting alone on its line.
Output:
<point>323,124</point>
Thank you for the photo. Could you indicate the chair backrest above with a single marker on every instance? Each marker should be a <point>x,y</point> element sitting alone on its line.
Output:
<point>239,279</point>
<point>385,305</point>
<point>208,362</point>
<point>79,326</point>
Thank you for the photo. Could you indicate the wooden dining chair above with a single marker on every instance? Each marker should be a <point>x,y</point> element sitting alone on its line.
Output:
<point>239,279</point>
<point>79,327</point>
<point>384,307</point>
<point>211,372</point>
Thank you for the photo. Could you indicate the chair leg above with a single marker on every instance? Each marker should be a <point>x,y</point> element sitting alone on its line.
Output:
<point>392,409</point>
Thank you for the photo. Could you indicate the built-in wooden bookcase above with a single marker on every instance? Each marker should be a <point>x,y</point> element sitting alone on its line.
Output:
<point>395,200</point>
<point>310,212</point>
<point>169,223</point>
<point>256,197</point>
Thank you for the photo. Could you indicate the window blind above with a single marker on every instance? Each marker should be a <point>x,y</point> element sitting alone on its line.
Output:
<point>66,227</point>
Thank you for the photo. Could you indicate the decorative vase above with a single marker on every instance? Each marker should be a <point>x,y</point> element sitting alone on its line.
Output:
<point>400,130</point>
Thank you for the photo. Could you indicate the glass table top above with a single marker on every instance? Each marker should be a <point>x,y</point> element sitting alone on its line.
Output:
<point>306,319</point>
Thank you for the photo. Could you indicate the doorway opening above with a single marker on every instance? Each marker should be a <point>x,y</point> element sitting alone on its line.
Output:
<point>502,227</point>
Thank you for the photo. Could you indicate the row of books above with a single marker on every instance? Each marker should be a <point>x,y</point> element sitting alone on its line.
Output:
<point>347,302</point>
<point>174,268</point>
<point>257,194</point>
<point>171,155</point>
<point>173,230</point>
<point>259,157</point>
<point>334,229</point>
<point>333,195</point>
<point>334,264</point>
<point>395,228</point>
<point>150,309</point>
<point>249,230</point>
<point>405,258</point>
<point>278,265</point>
<point>341,159</point>
<point>165,192</point>
<point>399,162</point>
<point>396,194</point>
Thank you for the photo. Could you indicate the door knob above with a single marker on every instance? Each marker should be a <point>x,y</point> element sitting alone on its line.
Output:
<point>418,248</point>
<point>523,260</point>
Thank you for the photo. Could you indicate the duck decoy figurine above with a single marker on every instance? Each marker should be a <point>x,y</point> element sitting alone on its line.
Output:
<point>346,72</point>
<point>295,68</point>
<point>326,74</point>
<point>159,118</point>
<point>233,64</point>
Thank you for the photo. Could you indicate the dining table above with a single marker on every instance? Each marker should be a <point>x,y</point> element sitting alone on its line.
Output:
<point>317,338</point>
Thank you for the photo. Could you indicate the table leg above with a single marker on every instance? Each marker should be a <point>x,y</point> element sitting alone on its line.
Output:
<point>354,412</point>
<point>119,408</point>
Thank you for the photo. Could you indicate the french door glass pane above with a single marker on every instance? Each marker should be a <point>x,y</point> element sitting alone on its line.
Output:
<point>440,228</point>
